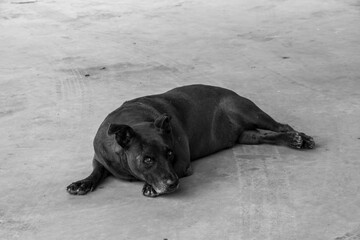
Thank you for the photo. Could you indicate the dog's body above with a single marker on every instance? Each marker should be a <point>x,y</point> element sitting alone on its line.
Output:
<point>154,138</point>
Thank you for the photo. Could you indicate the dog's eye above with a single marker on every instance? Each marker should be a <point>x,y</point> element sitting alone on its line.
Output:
<point>170,153</point>
<point>148,161</point>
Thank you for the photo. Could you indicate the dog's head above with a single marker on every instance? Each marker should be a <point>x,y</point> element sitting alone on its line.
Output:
<point>148,147</point>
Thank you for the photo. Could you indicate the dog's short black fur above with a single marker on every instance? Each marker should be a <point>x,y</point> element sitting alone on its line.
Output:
<point>155,138</point>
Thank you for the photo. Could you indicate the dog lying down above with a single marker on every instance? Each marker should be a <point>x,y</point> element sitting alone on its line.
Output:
<point>155,138</point>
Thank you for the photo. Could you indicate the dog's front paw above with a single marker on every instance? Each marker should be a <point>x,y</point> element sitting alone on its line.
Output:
<point>81,187</point>
<point>149,191</point>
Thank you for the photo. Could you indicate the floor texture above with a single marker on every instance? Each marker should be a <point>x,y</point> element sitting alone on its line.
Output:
<point>66,64</point>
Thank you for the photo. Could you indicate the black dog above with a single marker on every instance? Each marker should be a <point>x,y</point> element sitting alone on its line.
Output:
<point>154,138</point>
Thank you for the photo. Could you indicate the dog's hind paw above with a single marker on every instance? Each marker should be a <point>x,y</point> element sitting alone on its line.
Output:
<point>294,140</point>
<point>308,142</point>
<point>300,140</point>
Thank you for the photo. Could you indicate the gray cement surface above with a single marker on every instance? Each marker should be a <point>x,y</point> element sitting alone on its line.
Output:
<point>66,64</point>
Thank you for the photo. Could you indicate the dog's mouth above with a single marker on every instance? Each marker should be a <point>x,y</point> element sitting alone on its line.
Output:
<point>167,188</point>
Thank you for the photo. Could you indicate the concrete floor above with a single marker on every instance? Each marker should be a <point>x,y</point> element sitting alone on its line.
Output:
<point>66,64</point>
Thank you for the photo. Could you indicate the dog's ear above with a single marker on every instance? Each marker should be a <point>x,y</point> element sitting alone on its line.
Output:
<point>123,134</point>
<point>163,122</point>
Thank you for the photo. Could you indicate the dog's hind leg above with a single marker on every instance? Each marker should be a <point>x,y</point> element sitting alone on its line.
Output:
<point>281,133</point>
<point>262,120</point>
<point>252,122</point>
<point>251,117</point>
<point>292,139</point>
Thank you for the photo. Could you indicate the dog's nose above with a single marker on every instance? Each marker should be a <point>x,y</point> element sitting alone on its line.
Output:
<point>172,183</point>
